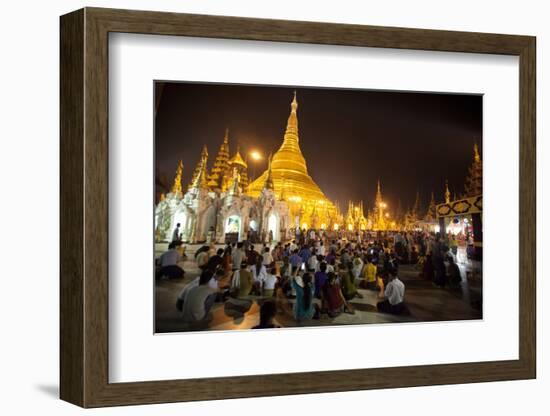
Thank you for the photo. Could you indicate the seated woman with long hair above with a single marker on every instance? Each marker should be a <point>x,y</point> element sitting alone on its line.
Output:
<point>304,308</point>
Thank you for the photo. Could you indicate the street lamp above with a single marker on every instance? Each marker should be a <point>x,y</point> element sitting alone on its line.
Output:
<point>256,156</point>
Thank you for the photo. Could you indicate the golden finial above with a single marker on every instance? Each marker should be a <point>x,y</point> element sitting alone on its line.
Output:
<point>447,192</point>
<point>226,137</point>
<point>477,158</point>
<point>176,187</point>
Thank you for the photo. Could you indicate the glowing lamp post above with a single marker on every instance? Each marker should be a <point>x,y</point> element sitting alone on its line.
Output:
<point>255,156</point>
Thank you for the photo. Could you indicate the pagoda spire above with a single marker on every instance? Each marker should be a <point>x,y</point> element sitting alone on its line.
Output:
<point>447,192</point>
<point>220,169</point>
<point>292,123</point>
<point>430,214</point>
<point>474,181</point>
<point>176,187</point>
<point>199,180</point>
<point>269,180</point>
<point>378,199</point>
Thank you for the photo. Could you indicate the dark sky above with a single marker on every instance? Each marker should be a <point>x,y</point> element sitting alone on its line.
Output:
<point>350,138</point>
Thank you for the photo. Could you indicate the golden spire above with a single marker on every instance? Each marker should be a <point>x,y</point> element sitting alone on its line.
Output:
<point>199,175</point>
<point>269,180</point>
<point>447,192</point>
<point>220,168</point>
<point>289,172</point>
<point>378,199</point>
<point>477,158</point>
<point>176,187</point>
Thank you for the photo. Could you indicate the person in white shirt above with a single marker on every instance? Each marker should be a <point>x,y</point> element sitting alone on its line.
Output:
<point>394,294</point>
<point>237,256</point>
<point>293,246</point>
<point>213,284</point>
<point>168,263</point>
<point>199,300</point>
<point>267,258</point>
<point>269,282</point>
<point>357,266</point>
<point>312,262</point>
<point>259,271</point>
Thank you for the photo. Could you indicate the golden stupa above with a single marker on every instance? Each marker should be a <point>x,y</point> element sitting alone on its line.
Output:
<point>309,206</point>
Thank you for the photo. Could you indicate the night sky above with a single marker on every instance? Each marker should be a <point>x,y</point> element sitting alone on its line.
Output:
<point>349,138</point>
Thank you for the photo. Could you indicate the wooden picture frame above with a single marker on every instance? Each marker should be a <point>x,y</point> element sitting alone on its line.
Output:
<point>84,207</point>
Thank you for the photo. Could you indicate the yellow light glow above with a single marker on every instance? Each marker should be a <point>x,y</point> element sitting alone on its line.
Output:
<point>304,226</point>
<point>387,214</point>
<point>336,227</point>
<point>295,198</point>
<point>255,155</point>
<point>323,226</point>
<point>350,227</point>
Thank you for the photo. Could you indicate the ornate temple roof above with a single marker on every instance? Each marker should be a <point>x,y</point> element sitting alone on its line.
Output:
<point>237,160</point>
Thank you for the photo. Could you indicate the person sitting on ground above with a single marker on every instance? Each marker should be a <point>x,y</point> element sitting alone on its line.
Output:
<point>242,282</point>
<point>202,258</point>
<point>214,284</point>
<point>295,262</point>
<point>268,310</point>
<point>267,258</point>
<point>269,282</point>
<point>348,282</point>
<point>200,299</point>
<point>394,294</point>
<point>304,308</point>
<point>369,275</point>
<point>414,255</point>
<point>312,262</point>
<point>252,255</point>
<point>259,272</point>
<point>215,261</point>
<point>320,279</point>
<point>305,254</point>
<point>333,301</point>
<point>169,263</point>
<point>357,266</point>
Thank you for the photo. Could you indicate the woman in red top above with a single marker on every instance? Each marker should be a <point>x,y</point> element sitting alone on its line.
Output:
<point>334,302</point>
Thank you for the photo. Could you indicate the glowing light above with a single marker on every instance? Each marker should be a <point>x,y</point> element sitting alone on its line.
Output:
<point>295,198</point>
<point>350,227</point>
<point>336,226</point>
<point>255,155</point>
<point>304,226</point>
<point>323,226</point>
<point>387,214</point>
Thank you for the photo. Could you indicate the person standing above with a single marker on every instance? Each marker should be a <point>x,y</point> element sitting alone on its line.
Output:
<point>243,281</point>
<point>237,256</point>
<point>176,233</point>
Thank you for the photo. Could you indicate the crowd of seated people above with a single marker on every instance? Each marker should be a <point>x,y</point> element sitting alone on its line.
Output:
<point>319,276</point>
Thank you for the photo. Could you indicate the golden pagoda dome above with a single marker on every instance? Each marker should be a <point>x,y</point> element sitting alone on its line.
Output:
<point>289,171</point>
<point>237,160</point>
